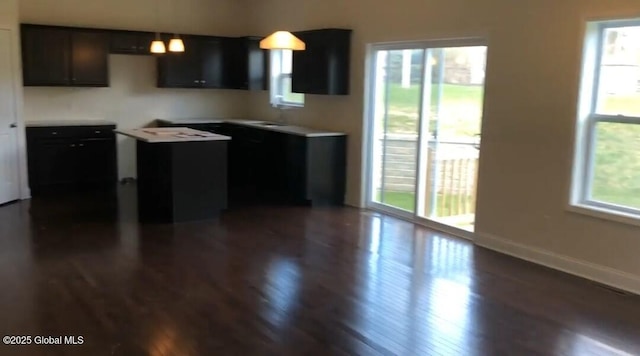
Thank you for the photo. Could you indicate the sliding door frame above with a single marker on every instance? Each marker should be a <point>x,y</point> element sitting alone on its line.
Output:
<point>369,126</point>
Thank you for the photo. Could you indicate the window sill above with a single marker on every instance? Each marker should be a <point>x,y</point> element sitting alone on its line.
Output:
<point>605,214</point>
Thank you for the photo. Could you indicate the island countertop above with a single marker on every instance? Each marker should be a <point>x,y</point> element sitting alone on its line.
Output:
<point>56,123</point>
<point>265,125</point>
<point>171,134</point>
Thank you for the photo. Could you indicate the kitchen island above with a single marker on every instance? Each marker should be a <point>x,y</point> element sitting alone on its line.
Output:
<point>277,162</point>
<point>175,183</point>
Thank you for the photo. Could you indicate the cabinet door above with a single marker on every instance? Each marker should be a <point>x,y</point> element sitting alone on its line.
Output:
<point>90,58</point>
<point>323,68</point>
<point>96,160</point>
<point>273,162</point>
<point>245,64</point>
<point>55,162</point>
<point>302,65</point>
<point>124,42</point>
<point>235,62</point>
<point>129,42</point>
<point>45,56</point>
<point>310,66</point>
<point>258,66</point>
<point>180,70</point>
<point>211,56</point>
<point>296,168</point>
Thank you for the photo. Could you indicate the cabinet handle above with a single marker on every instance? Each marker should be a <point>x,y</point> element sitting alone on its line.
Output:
<point>203,81</point>
<point>97,132</point>
<point>54,133</point>
<point>81,145</point>
<point>196,81</point>
<point>72,145</point>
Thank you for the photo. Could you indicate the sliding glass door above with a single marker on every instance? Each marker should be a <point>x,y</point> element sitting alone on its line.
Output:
<point>425,114</point>
<point>397,102</point>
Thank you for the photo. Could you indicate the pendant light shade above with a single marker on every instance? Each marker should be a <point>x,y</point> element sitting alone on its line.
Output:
<point>282,40</point>
<point>157,46</point>
<point>176,45</point>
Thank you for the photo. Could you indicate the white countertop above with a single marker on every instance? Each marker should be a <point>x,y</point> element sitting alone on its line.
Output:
<point>265,125</point>
<point>193,120</point>
<point>171,134</point>
<point>47,123</point>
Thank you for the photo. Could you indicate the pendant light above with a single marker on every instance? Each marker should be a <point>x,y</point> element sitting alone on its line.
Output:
<point>282,40</point>
<point>176,44</point>
<point>157,45</point>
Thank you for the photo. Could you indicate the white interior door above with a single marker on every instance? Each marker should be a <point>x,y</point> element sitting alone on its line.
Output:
<point>9,184</point>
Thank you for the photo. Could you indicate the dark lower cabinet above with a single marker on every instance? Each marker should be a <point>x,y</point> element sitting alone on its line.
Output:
<point>176,185</point>
<point>271,166</point>
<point>71,157</point>
<point>316,169</point>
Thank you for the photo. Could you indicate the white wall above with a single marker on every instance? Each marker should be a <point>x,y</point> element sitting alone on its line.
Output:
<point>530,113</point>
<point>132,100</point>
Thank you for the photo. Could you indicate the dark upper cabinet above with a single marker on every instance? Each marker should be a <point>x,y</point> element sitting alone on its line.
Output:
<point>246,66</point>
<point>180,70</point>
<point>45,56</point>
<point>323,68</point>
<point>211,62</point>
<point>130,42</point>
<point>89,58</point>
<point>58,56</point>
<point>200,66</point>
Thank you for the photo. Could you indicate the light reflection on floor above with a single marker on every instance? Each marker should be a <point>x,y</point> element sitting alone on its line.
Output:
<point>282,284</point>
<point>423,305</point>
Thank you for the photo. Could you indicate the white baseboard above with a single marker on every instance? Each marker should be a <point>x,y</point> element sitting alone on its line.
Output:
<point>601,274</point>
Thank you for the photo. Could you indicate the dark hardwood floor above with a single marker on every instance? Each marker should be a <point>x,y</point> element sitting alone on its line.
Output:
<point>278,280</point>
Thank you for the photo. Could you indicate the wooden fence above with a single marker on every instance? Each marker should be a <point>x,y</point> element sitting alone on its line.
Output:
<point>455,165</point>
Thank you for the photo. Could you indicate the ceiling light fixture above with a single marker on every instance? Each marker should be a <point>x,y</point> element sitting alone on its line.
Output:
<point>282,40</point>
<point>157,45</point>
<point>176,44</point>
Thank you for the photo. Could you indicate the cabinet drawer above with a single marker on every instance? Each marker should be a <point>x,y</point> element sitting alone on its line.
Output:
<point>71,132</point>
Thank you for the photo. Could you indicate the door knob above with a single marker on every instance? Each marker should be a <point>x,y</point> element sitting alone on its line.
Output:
<point>13,126</point>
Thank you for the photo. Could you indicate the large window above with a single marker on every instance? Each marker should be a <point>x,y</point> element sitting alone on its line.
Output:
<point>281,69</point>
<point>607,174</point>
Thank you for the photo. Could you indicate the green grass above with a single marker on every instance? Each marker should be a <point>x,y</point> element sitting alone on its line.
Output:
<point>617,164</point>
<point>406,201</point>
<point>401,200</point>
<point>451,93</point>
<point>460,105</point>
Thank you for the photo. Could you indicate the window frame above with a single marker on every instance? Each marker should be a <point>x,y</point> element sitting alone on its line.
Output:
<point>278,76</point>
<point>588,119</point>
